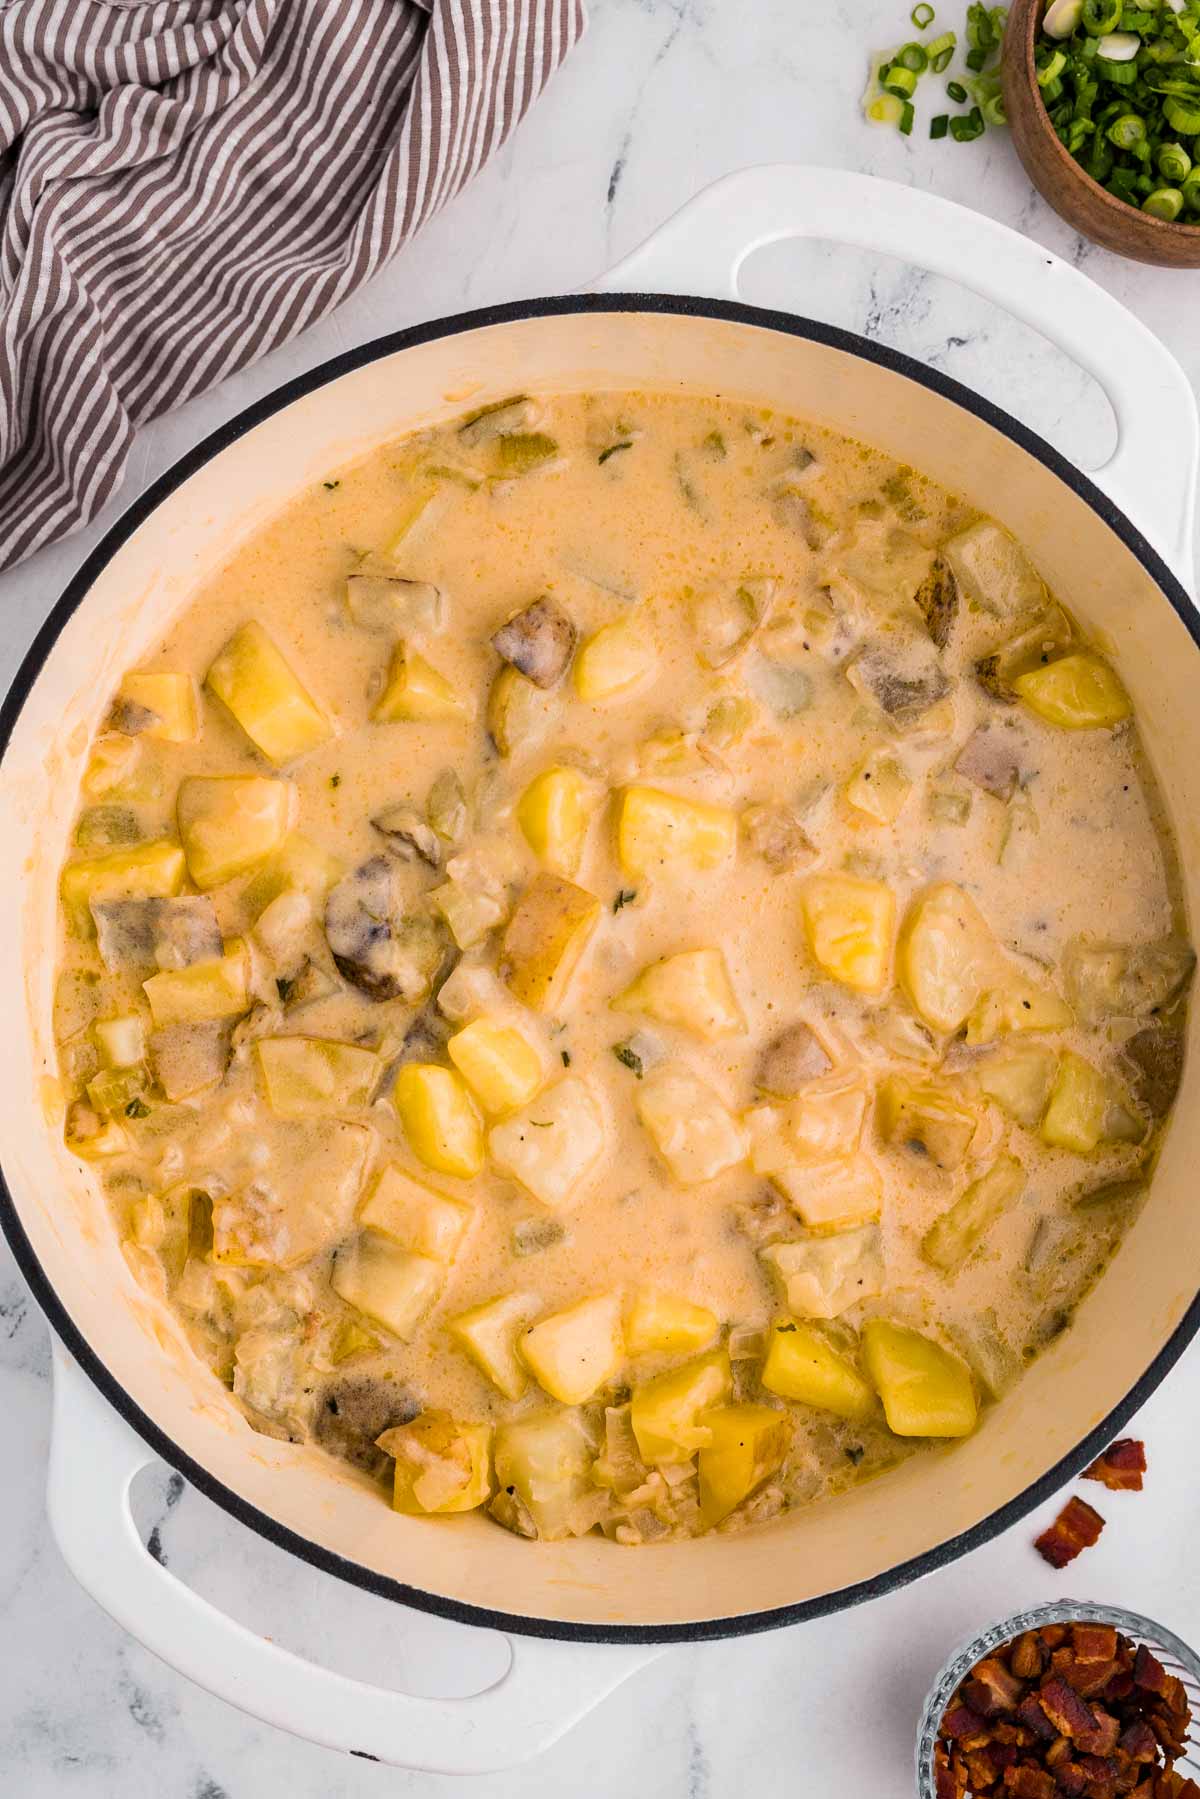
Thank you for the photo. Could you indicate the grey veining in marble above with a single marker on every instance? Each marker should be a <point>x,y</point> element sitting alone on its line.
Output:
<point>662,96</point>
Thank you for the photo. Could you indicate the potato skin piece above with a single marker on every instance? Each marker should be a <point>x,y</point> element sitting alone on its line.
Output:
<point>937,602</point>
<point>538,641</point>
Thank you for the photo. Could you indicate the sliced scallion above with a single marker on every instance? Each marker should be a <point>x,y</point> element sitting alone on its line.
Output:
<point>1173,163</point>
<point>956,92</point>
<point>1181,118</point>
<point>899,81</point>
<point>1052,69</point>
<point>1126,130</point>
<point>1164,203</point>
<point>939,125</point>
<point>940,50</point>
<point>967,126</point>
<point>907,116</point>
<point>922,17</point>
<point>913,57</point>
<point>1099,16</point>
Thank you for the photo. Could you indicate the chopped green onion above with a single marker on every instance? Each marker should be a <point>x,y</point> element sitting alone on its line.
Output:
<point>967,126</point>
<point>912,57</point>
<point>956,91</point>
<point>886,109</point>
<point>993,109</point>
<point>907,116</point>
<point>1181,118</point>
<point>922,17</point>
<point>1173,162</point>
<point>1126,130</point>
<point>940,50</point>
<point>1100,16</point>
<point>939,125</point>
<point>1164,203</point>
<point>1052,69</point>
<point>1190,189</point>
<point>899,80</point>
<point>976,58</point>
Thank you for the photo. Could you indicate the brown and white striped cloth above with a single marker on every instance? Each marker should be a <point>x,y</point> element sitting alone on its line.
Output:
<point>184,184</point>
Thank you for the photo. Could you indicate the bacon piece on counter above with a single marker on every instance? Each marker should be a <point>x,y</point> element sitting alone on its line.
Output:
<point>1121,1467</point>
<point>1075,1529</point>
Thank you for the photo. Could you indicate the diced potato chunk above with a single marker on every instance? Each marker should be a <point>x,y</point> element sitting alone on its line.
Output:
<point>834,1195</point>
<point>1079,1103</point>
<point>993,570</point>
<point>573,1354</point>
<point>1019,1079</point>
<point>664,1323</point>
<point>803,1364</point>
<point>499,1065</point>
<point>545,939</point>
<point>302,1206</point>
<point>692,990</point>
<point>656,830</point>
<point>1079,692</point>
<point>170,698</point>
<point>849,923</point>
<point>147,871</point>
<point>298,866</point>
<point>665,1412</point>
<point>440,1119</point>
<point>386,1283</point>
<point>554,813</point>
<point>945,954</point>
<point>554,1146</point>
<point>204,990</point>
<point>470,911</point>
<point>416,691</point>
<point>926,1391</point>
<point>254,680</point>
<point>230,822</point>
<point>823,1276</point>
<point>315,1077</point>
<point>121,1041</point>
<point>546,1457</point>
<point>349,1340</point>
<point>692,1131</point>
<point>519,712</point>
<point>616,660</point>
<point>414,1216</point>
<point>442,1464</point>
<point>928,1115</point>
<point>878,789</point>
<point>827,1118</point>
<point>88,1134</point>
<point>489,1332</point>
<point>1016,1004</point>
<point>960,1230</point>
<point>747,1444</point>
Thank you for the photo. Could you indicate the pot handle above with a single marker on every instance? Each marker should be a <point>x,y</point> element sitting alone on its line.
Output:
<point>548,1687</point>
<point>1151,475</point>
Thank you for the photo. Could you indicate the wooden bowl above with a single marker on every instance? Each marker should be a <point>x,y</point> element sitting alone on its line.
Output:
<point>1061,181</point>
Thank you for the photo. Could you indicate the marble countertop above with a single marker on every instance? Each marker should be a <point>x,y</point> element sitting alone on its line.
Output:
<point>661,97</point>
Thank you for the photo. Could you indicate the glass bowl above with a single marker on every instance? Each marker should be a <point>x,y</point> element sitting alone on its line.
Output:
<point>1174,1654</point>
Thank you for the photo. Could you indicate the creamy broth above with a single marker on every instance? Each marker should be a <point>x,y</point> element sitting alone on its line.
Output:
<point>757,967</point>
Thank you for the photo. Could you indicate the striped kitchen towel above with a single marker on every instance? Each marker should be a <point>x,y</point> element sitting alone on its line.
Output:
<point>185,184</point>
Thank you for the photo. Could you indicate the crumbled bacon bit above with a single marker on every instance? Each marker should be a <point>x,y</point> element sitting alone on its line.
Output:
<point>1121,1467</point>
<point>1021,1725</point>
<point>1075,1529</point>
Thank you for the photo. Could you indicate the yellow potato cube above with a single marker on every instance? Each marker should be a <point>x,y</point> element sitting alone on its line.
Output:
<point>545,940</point>
<point>655,830</point>
<point>554,813</point>
<point>315,1077</point>
<point>546,1458</point>
<point>416,691</point>
<point>573,1354</point>
<point>120,1041</point>
<point>500,1067</point>
<point>803,1364</point>
<point>748,1443</point>
<point>440,1119</point>
<point>960,1230</point>
<point>1019,1079</point>
<point>823,1277</point>
<point>489,1332</point>
<point>945,954</point>
<point>88,1135</point>
<point>666,1412</point>
<point>617,659</point>
<point>172,700</point>
<point>349,1340</point>
<point>229,822</point>
<point>849,923</point>
<point>554,1145</point>
<point>878,789</point>
<point>662,1323</point>
<point>1079,1103</point>
<point>470,911</point>
<point>1017,1004</point>
<point>518,712</point>
<point>203,990</point>
<point>147,871</point>
<point>298,866</point>
<point>834,1195</point>
<point>442,1464</point>
<point>428,1223</point>
<point>696,1136</point>
<point>387,1284</point>
<point>926,1391</point>
<point>692,990</point>
<point>254,680</point>
<point>1078,692</point>
<point>929,1115</point>
<point>826,1120</point>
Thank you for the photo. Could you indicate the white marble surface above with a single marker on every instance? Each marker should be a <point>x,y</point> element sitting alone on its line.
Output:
<point>662,96</point>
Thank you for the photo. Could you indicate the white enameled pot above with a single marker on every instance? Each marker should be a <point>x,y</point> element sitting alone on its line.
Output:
<point>1117,548</point>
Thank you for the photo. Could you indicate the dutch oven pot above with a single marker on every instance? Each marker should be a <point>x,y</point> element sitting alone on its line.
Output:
<point>1117,549</point>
